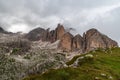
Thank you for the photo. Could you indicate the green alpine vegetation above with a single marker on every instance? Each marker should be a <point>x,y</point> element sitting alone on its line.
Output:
<point>96,65</point>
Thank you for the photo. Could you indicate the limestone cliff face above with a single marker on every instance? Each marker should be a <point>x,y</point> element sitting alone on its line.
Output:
<point>52,36</point>
<point>78,43</point>
<point>56,34</point>
<point>91,40</point>
<point>46,35</point>
<point>60,31</point>
<point>109,42</point>
<point>66,42</point>
<point>94,39</point>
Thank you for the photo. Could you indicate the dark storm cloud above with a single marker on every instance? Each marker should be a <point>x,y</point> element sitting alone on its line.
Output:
<point>23,15</point>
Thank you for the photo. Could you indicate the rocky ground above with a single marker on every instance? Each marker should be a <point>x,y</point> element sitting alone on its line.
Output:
<point>17,61</point>
<point>14,66</point>
<point>41,50</point>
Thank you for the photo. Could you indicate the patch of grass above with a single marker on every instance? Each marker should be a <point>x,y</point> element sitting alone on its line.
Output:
<point>15,50</point>
<point>105,66</point>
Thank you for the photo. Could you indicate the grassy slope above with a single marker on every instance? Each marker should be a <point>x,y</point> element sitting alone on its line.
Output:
<point>104,66</point>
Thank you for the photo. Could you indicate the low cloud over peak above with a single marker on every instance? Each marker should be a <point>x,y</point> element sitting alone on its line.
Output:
<point>24,15</point>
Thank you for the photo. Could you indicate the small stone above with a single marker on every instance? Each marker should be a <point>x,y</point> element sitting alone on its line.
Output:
<point>110,77</point>
<point>97,78</point>
<point>81,57</point>
<point>104,75</point>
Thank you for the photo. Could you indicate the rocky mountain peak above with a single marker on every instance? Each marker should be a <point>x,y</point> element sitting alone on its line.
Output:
<point>78,36</point>
<point>94,39</point>
<point>60,31</point>
<point>36,34</point>
<point>91,40</point>
<point>4,32</point>
<point>92,32</point>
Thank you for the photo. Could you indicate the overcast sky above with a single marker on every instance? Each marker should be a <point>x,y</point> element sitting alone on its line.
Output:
<point>24,15</point>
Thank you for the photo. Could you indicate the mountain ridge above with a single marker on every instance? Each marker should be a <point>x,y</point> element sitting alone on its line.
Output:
<point>41,50</point>
<point>91,39</point>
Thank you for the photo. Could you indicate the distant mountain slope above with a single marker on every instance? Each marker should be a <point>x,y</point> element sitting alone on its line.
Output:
<point>3,31</point>
<point>95,65</point>
<point>36,34</point>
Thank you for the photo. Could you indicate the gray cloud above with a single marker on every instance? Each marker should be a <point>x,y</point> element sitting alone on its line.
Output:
<point>24,15</point>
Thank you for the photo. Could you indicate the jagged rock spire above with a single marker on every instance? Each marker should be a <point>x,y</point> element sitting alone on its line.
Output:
<point>91,40</point>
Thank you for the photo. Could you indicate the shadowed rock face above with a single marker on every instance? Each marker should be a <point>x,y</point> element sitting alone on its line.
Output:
<point>56,34</point>
<point>46,35</point>
<point>1,29</point>
<point>94,39</point>
<point>4,32</point>
<point>78,43</point>
<point>36,34</point>
<point>53,36</point>
<point>109,42</point>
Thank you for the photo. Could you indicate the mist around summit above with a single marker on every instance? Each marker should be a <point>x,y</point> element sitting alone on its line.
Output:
<point>82,15</point>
